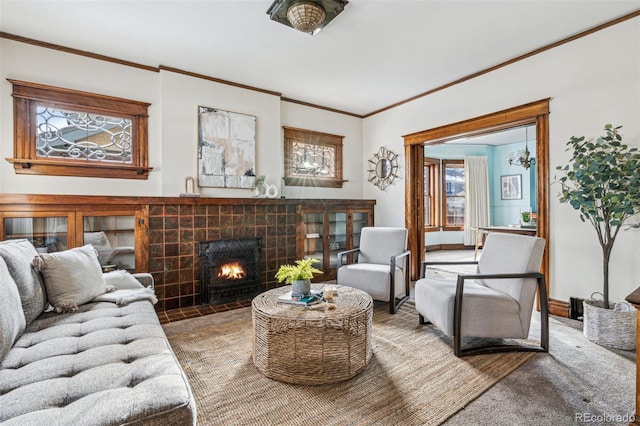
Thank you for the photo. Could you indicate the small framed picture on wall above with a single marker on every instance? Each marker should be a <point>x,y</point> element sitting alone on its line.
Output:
<point>511,187</point>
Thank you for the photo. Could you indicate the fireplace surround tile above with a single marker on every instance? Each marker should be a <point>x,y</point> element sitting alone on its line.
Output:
<point>173,254</point>
<point>175,230</point>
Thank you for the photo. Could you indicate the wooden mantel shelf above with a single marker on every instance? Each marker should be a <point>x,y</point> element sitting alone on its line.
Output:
<point>41,199</point>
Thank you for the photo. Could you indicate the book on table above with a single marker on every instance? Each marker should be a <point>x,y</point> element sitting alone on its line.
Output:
<point>312,299</point>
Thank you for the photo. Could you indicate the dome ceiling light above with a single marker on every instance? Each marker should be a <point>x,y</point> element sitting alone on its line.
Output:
<point>307,16</point>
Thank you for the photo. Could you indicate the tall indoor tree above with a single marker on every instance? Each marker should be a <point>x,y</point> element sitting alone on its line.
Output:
<point>602,182</point>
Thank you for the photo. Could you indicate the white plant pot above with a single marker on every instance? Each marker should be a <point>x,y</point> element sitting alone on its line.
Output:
<point>610,327</point>
<point>301,288</point>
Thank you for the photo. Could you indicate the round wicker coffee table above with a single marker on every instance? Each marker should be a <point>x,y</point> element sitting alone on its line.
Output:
<point>297,345</point>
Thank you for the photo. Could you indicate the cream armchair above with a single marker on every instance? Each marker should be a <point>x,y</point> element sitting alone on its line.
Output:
<point>381,265</point>
<point>494,302</point>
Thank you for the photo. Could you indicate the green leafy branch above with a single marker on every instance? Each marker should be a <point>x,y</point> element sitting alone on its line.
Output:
<point>602,182</point>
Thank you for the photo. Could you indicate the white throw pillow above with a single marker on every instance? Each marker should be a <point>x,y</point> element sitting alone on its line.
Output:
<point>71,277</point>
<point>122,280</point>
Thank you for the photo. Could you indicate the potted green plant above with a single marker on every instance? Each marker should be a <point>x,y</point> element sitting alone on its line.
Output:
<point>298,275</point>
<point>602,182</point>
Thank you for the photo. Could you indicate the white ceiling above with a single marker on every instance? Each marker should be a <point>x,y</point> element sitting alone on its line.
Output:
<point>500,137</point>
<point>374,54</point>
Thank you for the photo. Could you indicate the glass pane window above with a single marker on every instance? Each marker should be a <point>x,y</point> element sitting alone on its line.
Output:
<point>454,188</point>
<point>313,160</point>
<point>64,133</point>
<point>430,187</point>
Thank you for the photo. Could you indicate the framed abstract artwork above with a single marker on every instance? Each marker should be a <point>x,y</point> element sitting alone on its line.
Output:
<point>226,148</point>
<point>511,187</point>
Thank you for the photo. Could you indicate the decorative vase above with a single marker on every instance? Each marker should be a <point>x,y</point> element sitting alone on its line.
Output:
<point>301,288</point>
<point>615,327</point>
<point>258,191</point>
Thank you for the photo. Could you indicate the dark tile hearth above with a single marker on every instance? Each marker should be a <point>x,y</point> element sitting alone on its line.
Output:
<point>198,311</point>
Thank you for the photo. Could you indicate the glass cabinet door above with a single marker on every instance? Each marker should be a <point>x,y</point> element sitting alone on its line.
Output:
<point>360,220</point>
<point>47,234</point>
<point>113,236</point>
<point>314,237</point>
<point>326,232</point>
<point>337,236</point>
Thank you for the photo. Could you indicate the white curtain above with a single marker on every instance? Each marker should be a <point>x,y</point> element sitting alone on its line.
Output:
<point>477,207</point>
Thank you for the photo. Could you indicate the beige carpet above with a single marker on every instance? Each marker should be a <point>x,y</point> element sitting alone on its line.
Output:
<point>412,379</point>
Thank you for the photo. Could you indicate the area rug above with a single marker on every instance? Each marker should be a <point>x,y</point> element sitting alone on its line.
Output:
<point>413,377</point>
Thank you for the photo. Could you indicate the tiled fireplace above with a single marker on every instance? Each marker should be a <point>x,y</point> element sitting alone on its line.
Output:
<point>176,230</point>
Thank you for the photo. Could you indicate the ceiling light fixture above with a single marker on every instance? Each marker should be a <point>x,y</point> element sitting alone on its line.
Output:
<point>521,158</point>
<point>307,16</point>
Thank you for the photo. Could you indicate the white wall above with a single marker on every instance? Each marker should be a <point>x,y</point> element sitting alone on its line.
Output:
<point>34,64</point>
<point>173,121</point>
<point>181,95</point>
<point>591,81</point>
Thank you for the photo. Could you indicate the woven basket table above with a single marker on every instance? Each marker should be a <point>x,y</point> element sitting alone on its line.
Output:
<point>297,345</point>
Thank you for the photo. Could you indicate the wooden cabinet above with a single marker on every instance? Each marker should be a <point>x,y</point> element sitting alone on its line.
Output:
<point>119,234</point>
<point>326,229</point>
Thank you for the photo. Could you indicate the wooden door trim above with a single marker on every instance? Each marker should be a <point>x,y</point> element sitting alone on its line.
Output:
<point>532,113</point>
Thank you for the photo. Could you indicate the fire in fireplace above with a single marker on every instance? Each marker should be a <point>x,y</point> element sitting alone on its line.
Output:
<point>232,271</point>
<point>229,270</point>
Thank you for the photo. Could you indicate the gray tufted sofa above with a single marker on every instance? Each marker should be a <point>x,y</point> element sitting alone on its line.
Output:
<point>100,365</point>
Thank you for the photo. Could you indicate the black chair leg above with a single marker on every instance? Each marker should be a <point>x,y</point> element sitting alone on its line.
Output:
<point>422,320</point>
<point>395,304</point>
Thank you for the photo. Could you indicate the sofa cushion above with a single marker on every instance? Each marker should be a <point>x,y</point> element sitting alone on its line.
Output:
<point>12,320</point>
<point>72,277</point>
<point>18,255</point>
<point>100,365</point>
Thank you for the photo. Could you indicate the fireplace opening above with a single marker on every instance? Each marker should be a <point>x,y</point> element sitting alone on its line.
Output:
<point>229,270</point>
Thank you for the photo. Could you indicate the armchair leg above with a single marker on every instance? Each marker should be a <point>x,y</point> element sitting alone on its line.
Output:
<point>544,329</point>
<point>395,304</point>
<point>422,320</point>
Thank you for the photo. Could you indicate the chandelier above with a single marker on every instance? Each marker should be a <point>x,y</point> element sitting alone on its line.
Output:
<point>307,16</point>
<point>522,157</point>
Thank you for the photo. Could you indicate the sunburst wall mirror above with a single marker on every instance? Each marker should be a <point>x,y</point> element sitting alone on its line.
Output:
<point>383,168</point>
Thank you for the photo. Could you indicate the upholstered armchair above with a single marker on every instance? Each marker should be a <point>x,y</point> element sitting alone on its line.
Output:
<point>380,266</point>
<point>495,302</point>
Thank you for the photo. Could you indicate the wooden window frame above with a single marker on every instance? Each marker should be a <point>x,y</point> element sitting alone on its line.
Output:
<point>293,135</point>
<point>432,165</point>
<point>26,98</point>
<point>445,223</point>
